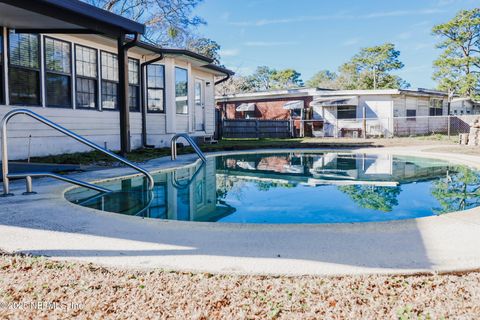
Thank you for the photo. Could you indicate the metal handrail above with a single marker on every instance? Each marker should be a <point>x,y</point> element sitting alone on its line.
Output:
<point>53,125</point>
<point>177,185</point>
<point>173,146</point>
<point>61,178</point>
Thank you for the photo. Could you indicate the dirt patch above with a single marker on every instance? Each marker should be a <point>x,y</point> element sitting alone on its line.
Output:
<point>33,287</point>
<point>458,149</point>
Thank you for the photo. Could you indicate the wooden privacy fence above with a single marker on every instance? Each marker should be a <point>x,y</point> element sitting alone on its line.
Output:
<point>253,128</point>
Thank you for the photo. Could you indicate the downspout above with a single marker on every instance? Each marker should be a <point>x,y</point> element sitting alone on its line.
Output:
<point>123,108</point>
<point>224,108</point>
<point>143,67</point>
<point>223,80</point>
<point>132,43</point>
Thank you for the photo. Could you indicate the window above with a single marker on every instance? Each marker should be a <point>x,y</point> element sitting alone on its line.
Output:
<point>2,85</point>
<point>155,88</point>
<point>436,107</point>
<point>86,77</point>
<point>181,90</point>
<point>24,68</point>
<point>109,81</point>
<point>296,113</point>
<point>58,72</point>
<point>411,115</point>
<point>133,85</point>
<point>347,112</point>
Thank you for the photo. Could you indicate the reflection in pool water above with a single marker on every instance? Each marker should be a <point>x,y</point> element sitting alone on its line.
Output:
<point>328,187</point>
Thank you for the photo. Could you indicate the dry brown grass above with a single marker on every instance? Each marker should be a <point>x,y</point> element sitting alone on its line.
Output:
<point>100,293</point>
<point>69,290</point>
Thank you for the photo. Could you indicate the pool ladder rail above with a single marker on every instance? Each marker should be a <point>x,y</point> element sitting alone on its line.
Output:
<point>28,175</point>
<point>173,146</point>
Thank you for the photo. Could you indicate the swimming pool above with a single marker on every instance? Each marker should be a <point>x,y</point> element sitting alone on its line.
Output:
<point>294,187</point>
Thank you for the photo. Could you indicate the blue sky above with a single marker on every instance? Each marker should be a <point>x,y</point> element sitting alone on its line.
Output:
<point>311,35</point>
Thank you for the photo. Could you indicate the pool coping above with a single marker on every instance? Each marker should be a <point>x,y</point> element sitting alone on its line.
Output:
<point>37,225</point>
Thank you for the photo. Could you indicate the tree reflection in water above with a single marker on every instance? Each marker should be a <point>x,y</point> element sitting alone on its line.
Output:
<point>457,191</point>
<point>373,197</point>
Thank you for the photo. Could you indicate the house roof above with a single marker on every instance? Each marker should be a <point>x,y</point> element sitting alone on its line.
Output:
<point>415,92</point>
<point>197,59</point>
<point>320,92</point>
<point>63,16</point>
<point>220,69</point>
<point>295,92</point>
<point>73,16</point>
<point>456,99</point>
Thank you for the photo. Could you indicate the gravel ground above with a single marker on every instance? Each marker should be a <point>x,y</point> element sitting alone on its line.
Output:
<point>33,287</point>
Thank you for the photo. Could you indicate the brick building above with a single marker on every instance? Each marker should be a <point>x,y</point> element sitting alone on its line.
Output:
<point>270,105</point>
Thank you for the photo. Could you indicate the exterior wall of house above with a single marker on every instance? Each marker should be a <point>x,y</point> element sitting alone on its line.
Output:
<point>464,107</point>
<point>385,112</point>
<point>423,123</point>
<point>28,137</point>
<point>385,115</point>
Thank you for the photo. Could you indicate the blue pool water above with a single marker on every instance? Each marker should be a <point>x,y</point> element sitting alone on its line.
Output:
<point>295,187</point>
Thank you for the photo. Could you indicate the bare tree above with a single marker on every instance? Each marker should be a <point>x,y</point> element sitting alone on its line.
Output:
<point>169,22</point>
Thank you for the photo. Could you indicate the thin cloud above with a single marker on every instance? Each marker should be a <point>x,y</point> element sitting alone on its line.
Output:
<point>421,46</point>
<point>339,16</point>
<point>269,43</point>
<point>264,22</point>
<point>401,13</point>
<point>229,52</point>
<point>351,42</point>
<point>404,35</point>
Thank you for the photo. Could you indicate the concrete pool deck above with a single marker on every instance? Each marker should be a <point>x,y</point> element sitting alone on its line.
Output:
<point>47,224</point>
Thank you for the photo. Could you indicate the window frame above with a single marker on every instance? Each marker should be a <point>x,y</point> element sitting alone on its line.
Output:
<point>136,86</point>
<point>46,72</point>
<point>156,88</point>
<point>38,71</point>
<point>355,110</point>
<point>110,81</point>
<point>411,118</point>
<point>435,108</point>
<point>3,92</point>
<point>175,88</point>
<point>97,79</point>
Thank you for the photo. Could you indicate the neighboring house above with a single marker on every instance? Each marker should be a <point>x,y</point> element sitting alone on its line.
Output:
<point>379,112</point>
<point>462,106</point>
<point>83,68</point>
<point>291,104</point>
<point>268,105</point>
<point>347,113</point>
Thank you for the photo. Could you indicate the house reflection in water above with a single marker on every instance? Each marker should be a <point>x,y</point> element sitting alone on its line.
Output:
<point>187,194</point>
<point>324,185</point>
<point>331,168</point>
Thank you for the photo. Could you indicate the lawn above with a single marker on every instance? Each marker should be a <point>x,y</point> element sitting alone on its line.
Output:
<point>142,155</point>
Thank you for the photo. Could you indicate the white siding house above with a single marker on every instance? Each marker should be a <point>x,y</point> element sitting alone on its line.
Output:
<point>378,112</point>
<point>351,113</point>
<point>464,106</point>
<point>73,80</point>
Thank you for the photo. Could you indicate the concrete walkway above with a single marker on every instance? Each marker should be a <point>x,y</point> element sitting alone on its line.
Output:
<point>47,224</point>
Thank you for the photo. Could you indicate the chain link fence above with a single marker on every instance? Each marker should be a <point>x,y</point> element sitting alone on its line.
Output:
<point>384,127</point>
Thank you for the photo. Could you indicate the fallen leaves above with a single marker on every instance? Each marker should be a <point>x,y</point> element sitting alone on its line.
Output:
<point>103,292</point>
